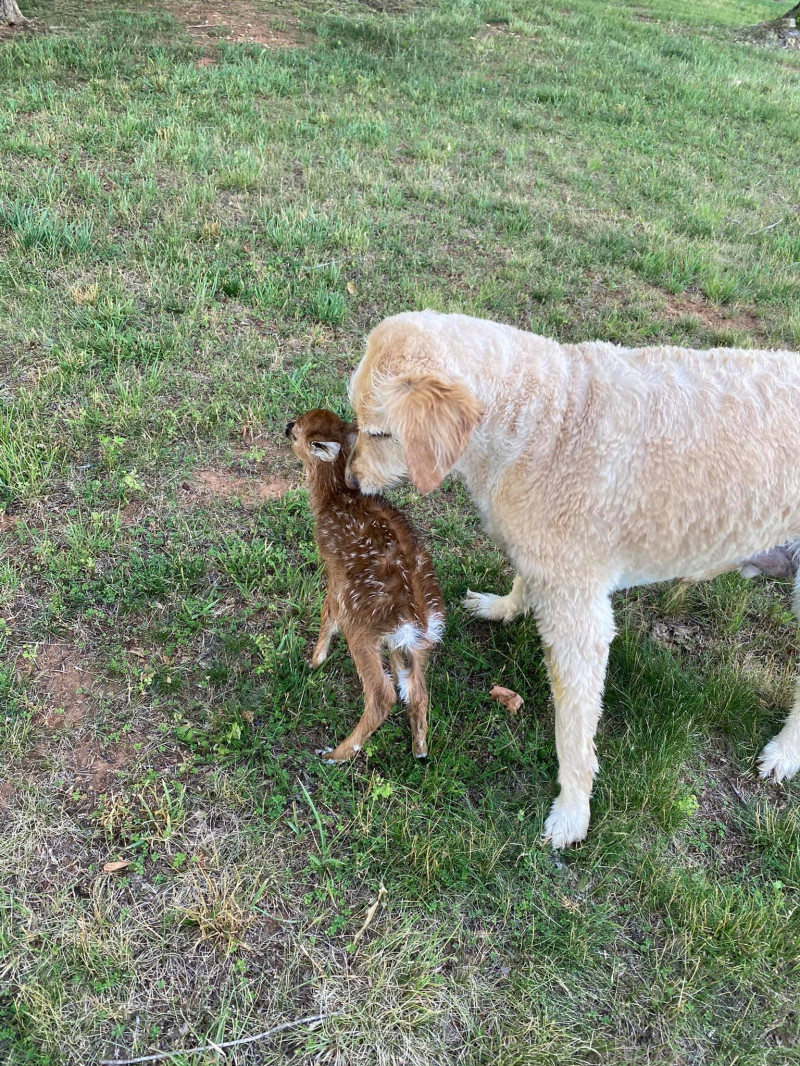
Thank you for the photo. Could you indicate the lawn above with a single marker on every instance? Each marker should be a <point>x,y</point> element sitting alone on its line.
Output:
<point>197,230</point>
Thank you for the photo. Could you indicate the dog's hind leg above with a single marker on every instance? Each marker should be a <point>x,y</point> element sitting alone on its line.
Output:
<point>499,608</point>
<point>781,757</point>
<point>576,628</point>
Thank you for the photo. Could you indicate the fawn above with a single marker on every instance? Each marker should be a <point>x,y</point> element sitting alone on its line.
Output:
<point>382,590</point>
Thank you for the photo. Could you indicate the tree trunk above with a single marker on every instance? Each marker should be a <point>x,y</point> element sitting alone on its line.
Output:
<point>10,13</point>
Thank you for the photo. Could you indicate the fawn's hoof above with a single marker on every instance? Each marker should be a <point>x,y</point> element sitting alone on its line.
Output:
<point>331,756</point>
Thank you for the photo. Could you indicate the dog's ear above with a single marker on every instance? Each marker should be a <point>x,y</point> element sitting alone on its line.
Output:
<point>434,420</point>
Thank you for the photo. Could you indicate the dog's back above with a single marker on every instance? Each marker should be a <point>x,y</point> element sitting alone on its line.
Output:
<point>649,463</point>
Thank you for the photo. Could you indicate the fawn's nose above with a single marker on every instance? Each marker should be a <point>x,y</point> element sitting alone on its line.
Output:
<point>289,428</point>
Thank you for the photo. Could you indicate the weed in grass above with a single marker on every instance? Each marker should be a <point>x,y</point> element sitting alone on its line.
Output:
<point>41,228</point>
<point>220,907</point>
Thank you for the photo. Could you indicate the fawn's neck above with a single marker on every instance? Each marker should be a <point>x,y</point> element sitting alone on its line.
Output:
<point>326,483</point>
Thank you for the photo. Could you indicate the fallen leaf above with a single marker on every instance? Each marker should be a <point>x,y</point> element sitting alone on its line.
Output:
<point>509,699</point>
<point>248,716</point>
<point>113,867</point>
<point>351,288</point>
<point>370,914</point>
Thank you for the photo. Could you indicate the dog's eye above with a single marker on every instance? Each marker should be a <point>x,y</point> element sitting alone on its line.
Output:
<point>381,436</point>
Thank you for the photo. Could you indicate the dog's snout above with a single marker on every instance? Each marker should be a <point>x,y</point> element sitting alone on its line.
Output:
<point>350,479</point>
<point>289,427</point>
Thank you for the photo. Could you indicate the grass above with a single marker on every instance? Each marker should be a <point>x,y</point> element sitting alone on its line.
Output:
<point>190,253</point>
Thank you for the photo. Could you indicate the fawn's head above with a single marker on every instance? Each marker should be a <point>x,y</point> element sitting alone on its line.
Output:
<point>320,436</point>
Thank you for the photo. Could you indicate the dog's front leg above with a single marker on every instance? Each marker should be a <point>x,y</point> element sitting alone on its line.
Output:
<point>576,629</point>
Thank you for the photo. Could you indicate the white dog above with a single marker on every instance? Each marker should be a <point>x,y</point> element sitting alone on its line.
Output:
<point>594,468</point>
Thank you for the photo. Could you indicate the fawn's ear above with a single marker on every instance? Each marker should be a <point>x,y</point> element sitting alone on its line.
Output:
<point>434,421</point>
<point>326,450</point>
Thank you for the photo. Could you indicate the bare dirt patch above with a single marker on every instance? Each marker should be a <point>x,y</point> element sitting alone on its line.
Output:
<point>94,765</point>
<point>63,677</point>
<point>7,521</point>
<point>781,31</point>
<point>234,21</point>
<point>132,515</point>
<point>227,485</point>
<point>712,316</point>
<point>722,796</point>
<point>97,765</point>
<point>390,7</point>
<point>29,26</point>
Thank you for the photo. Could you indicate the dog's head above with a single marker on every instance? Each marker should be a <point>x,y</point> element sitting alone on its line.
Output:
<point>320,436</point>
<point>409,425</point>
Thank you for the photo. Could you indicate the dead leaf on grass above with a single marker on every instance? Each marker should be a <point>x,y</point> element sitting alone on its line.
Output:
<point>509,699</point>
<point>371,911</point>
<point>668,634</point>
<point>114,867</point>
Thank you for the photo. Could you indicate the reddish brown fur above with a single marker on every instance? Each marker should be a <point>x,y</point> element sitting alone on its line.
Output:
<point>381,583</point>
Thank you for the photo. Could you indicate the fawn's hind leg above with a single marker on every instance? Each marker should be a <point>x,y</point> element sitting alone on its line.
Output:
<point>379,697</point>
<point>328,629</point>
<point>414,693</point>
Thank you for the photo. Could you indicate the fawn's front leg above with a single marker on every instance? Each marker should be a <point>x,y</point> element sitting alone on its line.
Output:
<point>328,629</point>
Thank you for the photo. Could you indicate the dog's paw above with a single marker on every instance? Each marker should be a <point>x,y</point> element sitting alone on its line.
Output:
<point>317,659</point>
<point>567,823</point>
<point>777,762</point>
<point>487,605</point>
<point>322,752</point>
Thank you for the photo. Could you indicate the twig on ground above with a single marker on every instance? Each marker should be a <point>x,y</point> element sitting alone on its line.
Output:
<point>370,914</point>
<point>161,1055</point>
<point>764,229</point>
